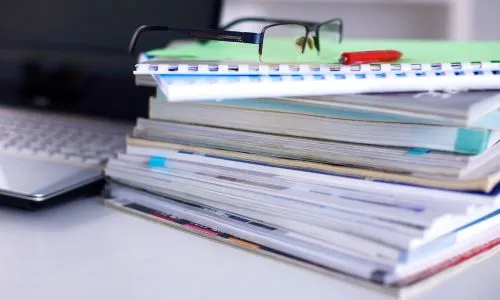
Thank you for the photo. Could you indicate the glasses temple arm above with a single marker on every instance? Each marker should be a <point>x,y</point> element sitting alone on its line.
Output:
<point>204,34</point>
<point>264,20</point>
<point>140,30</point>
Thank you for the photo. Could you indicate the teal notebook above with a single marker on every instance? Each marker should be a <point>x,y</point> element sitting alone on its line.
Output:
<point>473,140</point>
<point>489,119</point>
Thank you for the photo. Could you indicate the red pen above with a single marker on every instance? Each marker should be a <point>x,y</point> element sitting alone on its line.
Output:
<point>366,57</point>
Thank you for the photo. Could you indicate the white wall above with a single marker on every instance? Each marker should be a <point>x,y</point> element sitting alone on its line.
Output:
<point>428,19</point>
<point>487,19</point>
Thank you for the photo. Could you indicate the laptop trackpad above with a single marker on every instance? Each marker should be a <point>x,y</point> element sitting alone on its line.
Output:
<point>33,178</point>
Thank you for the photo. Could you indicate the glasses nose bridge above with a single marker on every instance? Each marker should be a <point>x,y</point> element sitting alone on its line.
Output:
<point>312,38</point>
<point>306,42</point>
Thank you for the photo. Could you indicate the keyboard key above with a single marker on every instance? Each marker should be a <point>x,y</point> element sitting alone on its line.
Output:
<point>90,154</point>
<point>12,148</point>
<point>51,148</point>
<point>93,161</point>
<point>42,153</point>
<point>60,138</point>
<point>74,158</point>
<point>69,150</point>
<point>57,155</point>
<point>105,156</point>
<point>27,151</point>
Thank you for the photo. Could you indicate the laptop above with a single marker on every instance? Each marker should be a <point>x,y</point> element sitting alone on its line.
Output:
<point>67,93</point>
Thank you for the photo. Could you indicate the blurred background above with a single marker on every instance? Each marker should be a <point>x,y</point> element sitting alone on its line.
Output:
<point>416,19</point>
<point>72,54</point>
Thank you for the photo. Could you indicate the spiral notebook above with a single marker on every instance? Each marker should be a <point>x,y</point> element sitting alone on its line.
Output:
<point>246,68</point>
<point>205,87</point>
<point>219,58</point>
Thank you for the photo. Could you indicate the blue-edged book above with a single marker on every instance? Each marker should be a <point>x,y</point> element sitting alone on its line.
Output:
<point>471,127</point>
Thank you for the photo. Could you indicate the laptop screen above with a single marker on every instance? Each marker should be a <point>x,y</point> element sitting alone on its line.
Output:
<point>71,55</point>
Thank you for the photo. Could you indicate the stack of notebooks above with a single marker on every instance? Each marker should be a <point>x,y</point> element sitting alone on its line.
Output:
<point>381,177</point>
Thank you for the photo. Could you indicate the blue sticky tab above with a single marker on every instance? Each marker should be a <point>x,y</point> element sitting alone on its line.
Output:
<point>157,161</point>
<point>471,141</point>
<point>418,151</point>
<point>255,78</point>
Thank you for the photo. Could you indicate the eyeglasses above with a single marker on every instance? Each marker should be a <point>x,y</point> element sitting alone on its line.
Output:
<point>281,38</point>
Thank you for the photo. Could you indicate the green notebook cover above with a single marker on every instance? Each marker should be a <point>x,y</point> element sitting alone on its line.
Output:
<point>414,51</point>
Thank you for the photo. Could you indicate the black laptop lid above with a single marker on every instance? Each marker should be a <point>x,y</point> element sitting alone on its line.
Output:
<point>71,55</point>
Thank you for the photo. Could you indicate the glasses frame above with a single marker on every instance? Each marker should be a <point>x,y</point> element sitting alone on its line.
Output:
<point>225,35</point>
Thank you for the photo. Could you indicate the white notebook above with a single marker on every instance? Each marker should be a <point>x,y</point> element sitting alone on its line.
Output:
<point>213,87</point>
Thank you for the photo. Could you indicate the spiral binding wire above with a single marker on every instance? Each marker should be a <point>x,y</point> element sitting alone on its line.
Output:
<point>305,69</point>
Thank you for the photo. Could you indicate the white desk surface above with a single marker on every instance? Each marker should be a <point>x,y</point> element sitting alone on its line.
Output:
<point>82,250</point>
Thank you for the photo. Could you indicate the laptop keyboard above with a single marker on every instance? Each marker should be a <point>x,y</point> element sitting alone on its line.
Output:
<point>59,138</point>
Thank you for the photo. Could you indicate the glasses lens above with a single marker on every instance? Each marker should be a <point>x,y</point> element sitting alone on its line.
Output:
<point>329,38</point>
<point>285,43</point>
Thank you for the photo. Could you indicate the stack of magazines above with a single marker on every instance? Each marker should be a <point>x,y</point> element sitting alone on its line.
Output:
<point>388,188</point>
